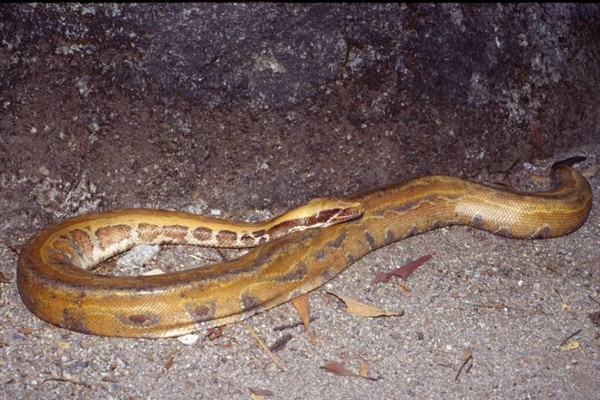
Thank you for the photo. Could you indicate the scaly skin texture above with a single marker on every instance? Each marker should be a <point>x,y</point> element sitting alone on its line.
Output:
<point>55,284</point>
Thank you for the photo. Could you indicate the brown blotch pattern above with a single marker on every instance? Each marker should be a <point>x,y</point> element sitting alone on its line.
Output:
<point>247,240</point>
<point>326,275</point>
<point>202,233</point>
<point>110,235</point>
<point>477,221</point>
<point>226,237</point>
<point>60,258</point>
<point>319,255</point>
<point>64,246</point>
<point>140,319</point>
<point>412,232</point>
<point>82,238</point>
<point>283,228</point>
<point>402,208</point>
<point>339,241</point>
<point>201,313</point>
<point>297,273</point>
<point>503,232</point>
<point>74,319</point>
<point>544,233</point>
<point>148,232</point>
<point>259,233</point>
<point>351,258</point>
<point>371,241</point>
<point>390,237</point>
<point>176,232</point>
<point>249,302</point>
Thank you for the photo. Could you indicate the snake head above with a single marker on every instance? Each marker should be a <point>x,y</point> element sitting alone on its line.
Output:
<point>322,212</point>
<point>317,213</point>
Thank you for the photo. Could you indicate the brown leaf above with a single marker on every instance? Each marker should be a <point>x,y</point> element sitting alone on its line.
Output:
<point>3,278</point>
<point>302,305</point>
<point>570,345</point>
<point>360,309</point>
<point>363,370</point>
<point>215,332</point>
<point>504,181</point>
<point>260,392</point>
<point>403,272</point>
<point>591,171</point>
<point>338,369</point>
<point>25,330</point>
<point>16,248</point>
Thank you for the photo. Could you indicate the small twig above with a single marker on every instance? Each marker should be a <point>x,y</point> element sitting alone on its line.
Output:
<point>222,254</point>
<point>466,357</point>
<point>595,298</point>
<point>497,306</point>
<point>266,348</point>
<point>61,379</point>
<point>507,171</point>
<point>571,336</point>
<point>565,305</point>
<point>280,343</point>
<point>557,272</point>
<point>294,325</point>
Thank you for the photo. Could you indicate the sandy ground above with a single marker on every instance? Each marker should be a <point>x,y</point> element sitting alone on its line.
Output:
<point>76,136</point>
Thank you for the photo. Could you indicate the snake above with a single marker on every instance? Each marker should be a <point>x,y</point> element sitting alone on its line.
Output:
<point>293,254</point>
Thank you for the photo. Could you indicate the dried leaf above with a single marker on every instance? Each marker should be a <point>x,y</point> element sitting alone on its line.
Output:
<point>312,338</point>
<point>360,309</point>
<point>302,305</point>
<point>25,330</point>
<point>169,362</point>
<point>16,248</point>
<point>3,278</point>
<point>504,181</point>
<point>339,369</point>
<point>63,345</point>
<point>565,304</point>
<point>403,272</point>
<point>591,171</point>
<point>363,370</point>
<point>571,345</point>
<point>214,332</point>
<point>260,392</point>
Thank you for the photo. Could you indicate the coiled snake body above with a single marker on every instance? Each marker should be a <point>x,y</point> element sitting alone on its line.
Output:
<point>55,284</point>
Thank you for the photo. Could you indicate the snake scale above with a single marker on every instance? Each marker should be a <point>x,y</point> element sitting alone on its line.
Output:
<point>56,285</point>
